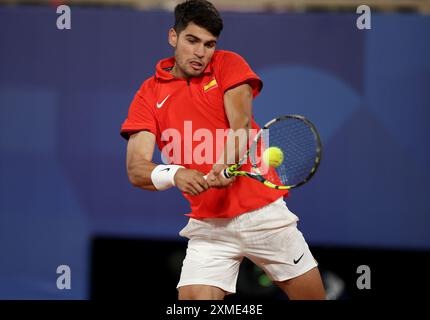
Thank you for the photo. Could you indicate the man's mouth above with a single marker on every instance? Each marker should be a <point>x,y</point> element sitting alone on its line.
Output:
<point>196,65</point>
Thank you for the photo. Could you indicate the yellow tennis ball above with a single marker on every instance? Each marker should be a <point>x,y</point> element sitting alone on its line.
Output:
<point>273,156</point>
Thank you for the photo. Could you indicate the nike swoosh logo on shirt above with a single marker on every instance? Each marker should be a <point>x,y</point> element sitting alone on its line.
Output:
<point>159,105</point>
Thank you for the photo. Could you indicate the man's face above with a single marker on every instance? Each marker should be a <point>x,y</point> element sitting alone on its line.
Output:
<point>194,48</point>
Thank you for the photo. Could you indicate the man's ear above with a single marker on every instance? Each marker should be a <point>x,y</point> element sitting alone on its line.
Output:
<point>173,37</point>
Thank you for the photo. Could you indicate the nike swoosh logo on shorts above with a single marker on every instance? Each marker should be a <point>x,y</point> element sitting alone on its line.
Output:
<point>297,261</point>
<point>159,105</point>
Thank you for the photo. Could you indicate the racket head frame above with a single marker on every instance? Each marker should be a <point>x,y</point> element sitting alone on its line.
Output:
<point>233,170</point>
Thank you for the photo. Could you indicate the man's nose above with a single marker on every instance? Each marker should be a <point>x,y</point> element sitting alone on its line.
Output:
<point>200,51</point>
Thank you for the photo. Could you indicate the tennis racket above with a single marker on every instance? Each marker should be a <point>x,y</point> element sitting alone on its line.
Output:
<point>296,140</point>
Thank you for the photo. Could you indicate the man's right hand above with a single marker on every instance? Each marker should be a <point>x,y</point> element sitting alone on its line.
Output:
<point>190,181</point>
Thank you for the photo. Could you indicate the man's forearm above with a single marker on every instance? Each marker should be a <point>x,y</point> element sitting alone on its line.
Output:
<point>139,174</point>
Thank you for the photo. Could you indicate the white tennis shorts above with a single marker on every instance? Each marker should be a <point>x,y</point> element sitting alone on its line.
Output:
<point>267,236</point>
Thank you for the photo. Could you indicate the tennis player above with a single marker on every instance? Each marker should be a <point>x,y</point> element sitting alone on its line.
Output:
<point>195,94</point>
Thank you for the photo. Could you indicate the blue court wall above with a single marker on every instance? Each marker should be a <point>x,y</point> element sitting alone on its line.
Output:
<point>64,95</point>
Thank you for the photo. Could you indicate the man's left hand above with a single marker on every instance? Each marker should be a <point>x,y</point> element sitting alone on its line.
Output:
<point>215,178</point>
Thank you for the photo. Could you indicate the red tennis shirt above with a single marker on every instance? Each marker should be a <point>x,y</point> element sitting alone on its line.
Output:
<point>188,120</point>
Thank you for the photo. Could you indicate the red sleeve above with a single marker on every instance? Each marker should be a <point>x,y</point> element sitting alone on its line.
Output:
<point>234,71</point>
<point>140,117</point>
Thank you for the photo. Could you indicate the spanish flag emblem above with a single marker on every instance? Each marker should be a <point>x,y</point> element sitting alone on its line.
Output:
<point>212,84</point>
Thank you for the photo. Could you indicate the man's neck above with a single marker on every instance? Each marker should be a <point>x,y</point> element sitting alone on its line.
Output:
<point>176,72</point>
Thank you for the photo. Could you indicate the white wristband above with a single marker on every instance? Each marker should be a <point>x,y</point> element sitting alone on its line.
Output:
<point>163,176</point>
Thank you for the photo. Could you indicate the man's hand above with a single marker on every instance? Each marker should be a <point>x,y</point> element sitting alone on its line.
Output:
<point>190,181</point>
<point>216,179</point>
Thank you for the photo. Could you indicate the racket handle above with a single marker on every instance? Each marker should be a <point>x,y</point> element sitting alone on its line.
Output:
<point>226,174</point>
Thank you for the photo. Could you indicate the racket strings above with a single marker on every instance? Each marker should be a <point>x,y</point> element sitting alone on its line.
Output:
<point>298,144</point>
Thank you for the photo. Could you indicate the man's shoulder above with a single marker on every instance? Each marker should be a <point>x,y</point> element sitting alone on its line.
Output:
<point>148,86</point>
<point>149,83</point>
<point>226,54</point>
<point>225,60</point>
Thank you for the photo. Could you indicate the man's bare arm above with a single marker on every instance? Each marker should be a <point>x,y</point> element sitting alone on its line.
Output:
<point>238,108</point>
<point>140,149</point>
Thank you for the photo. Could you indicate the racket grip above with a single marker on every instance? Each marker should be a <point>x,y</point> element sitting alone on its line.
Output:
<point>226,174</point>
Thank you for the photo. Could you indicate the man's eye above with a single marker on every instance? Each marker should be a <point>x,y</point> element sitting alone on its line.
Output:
<point>192,41</point>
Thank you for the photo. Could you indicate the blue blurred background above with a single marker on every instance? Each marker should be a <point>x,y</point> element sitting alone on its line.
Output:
<point>65,93</point>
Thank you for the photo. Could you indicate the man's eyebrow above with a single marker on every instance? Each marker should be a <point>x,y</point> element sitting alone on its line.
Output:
<point>197,38</point>
<point>192,36</point>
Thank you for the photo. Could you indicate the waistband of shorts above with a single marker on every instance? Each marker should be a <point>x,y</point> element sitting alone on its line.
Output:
<point>277,201</point>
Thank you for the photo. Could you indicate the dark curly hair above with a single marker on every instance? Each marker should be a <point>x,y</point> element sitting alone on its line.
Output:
<point>201,12</point>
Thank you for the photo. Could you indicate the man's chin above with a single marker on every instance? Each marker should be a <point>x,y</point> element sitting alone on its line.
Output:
<point>195,73</point>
